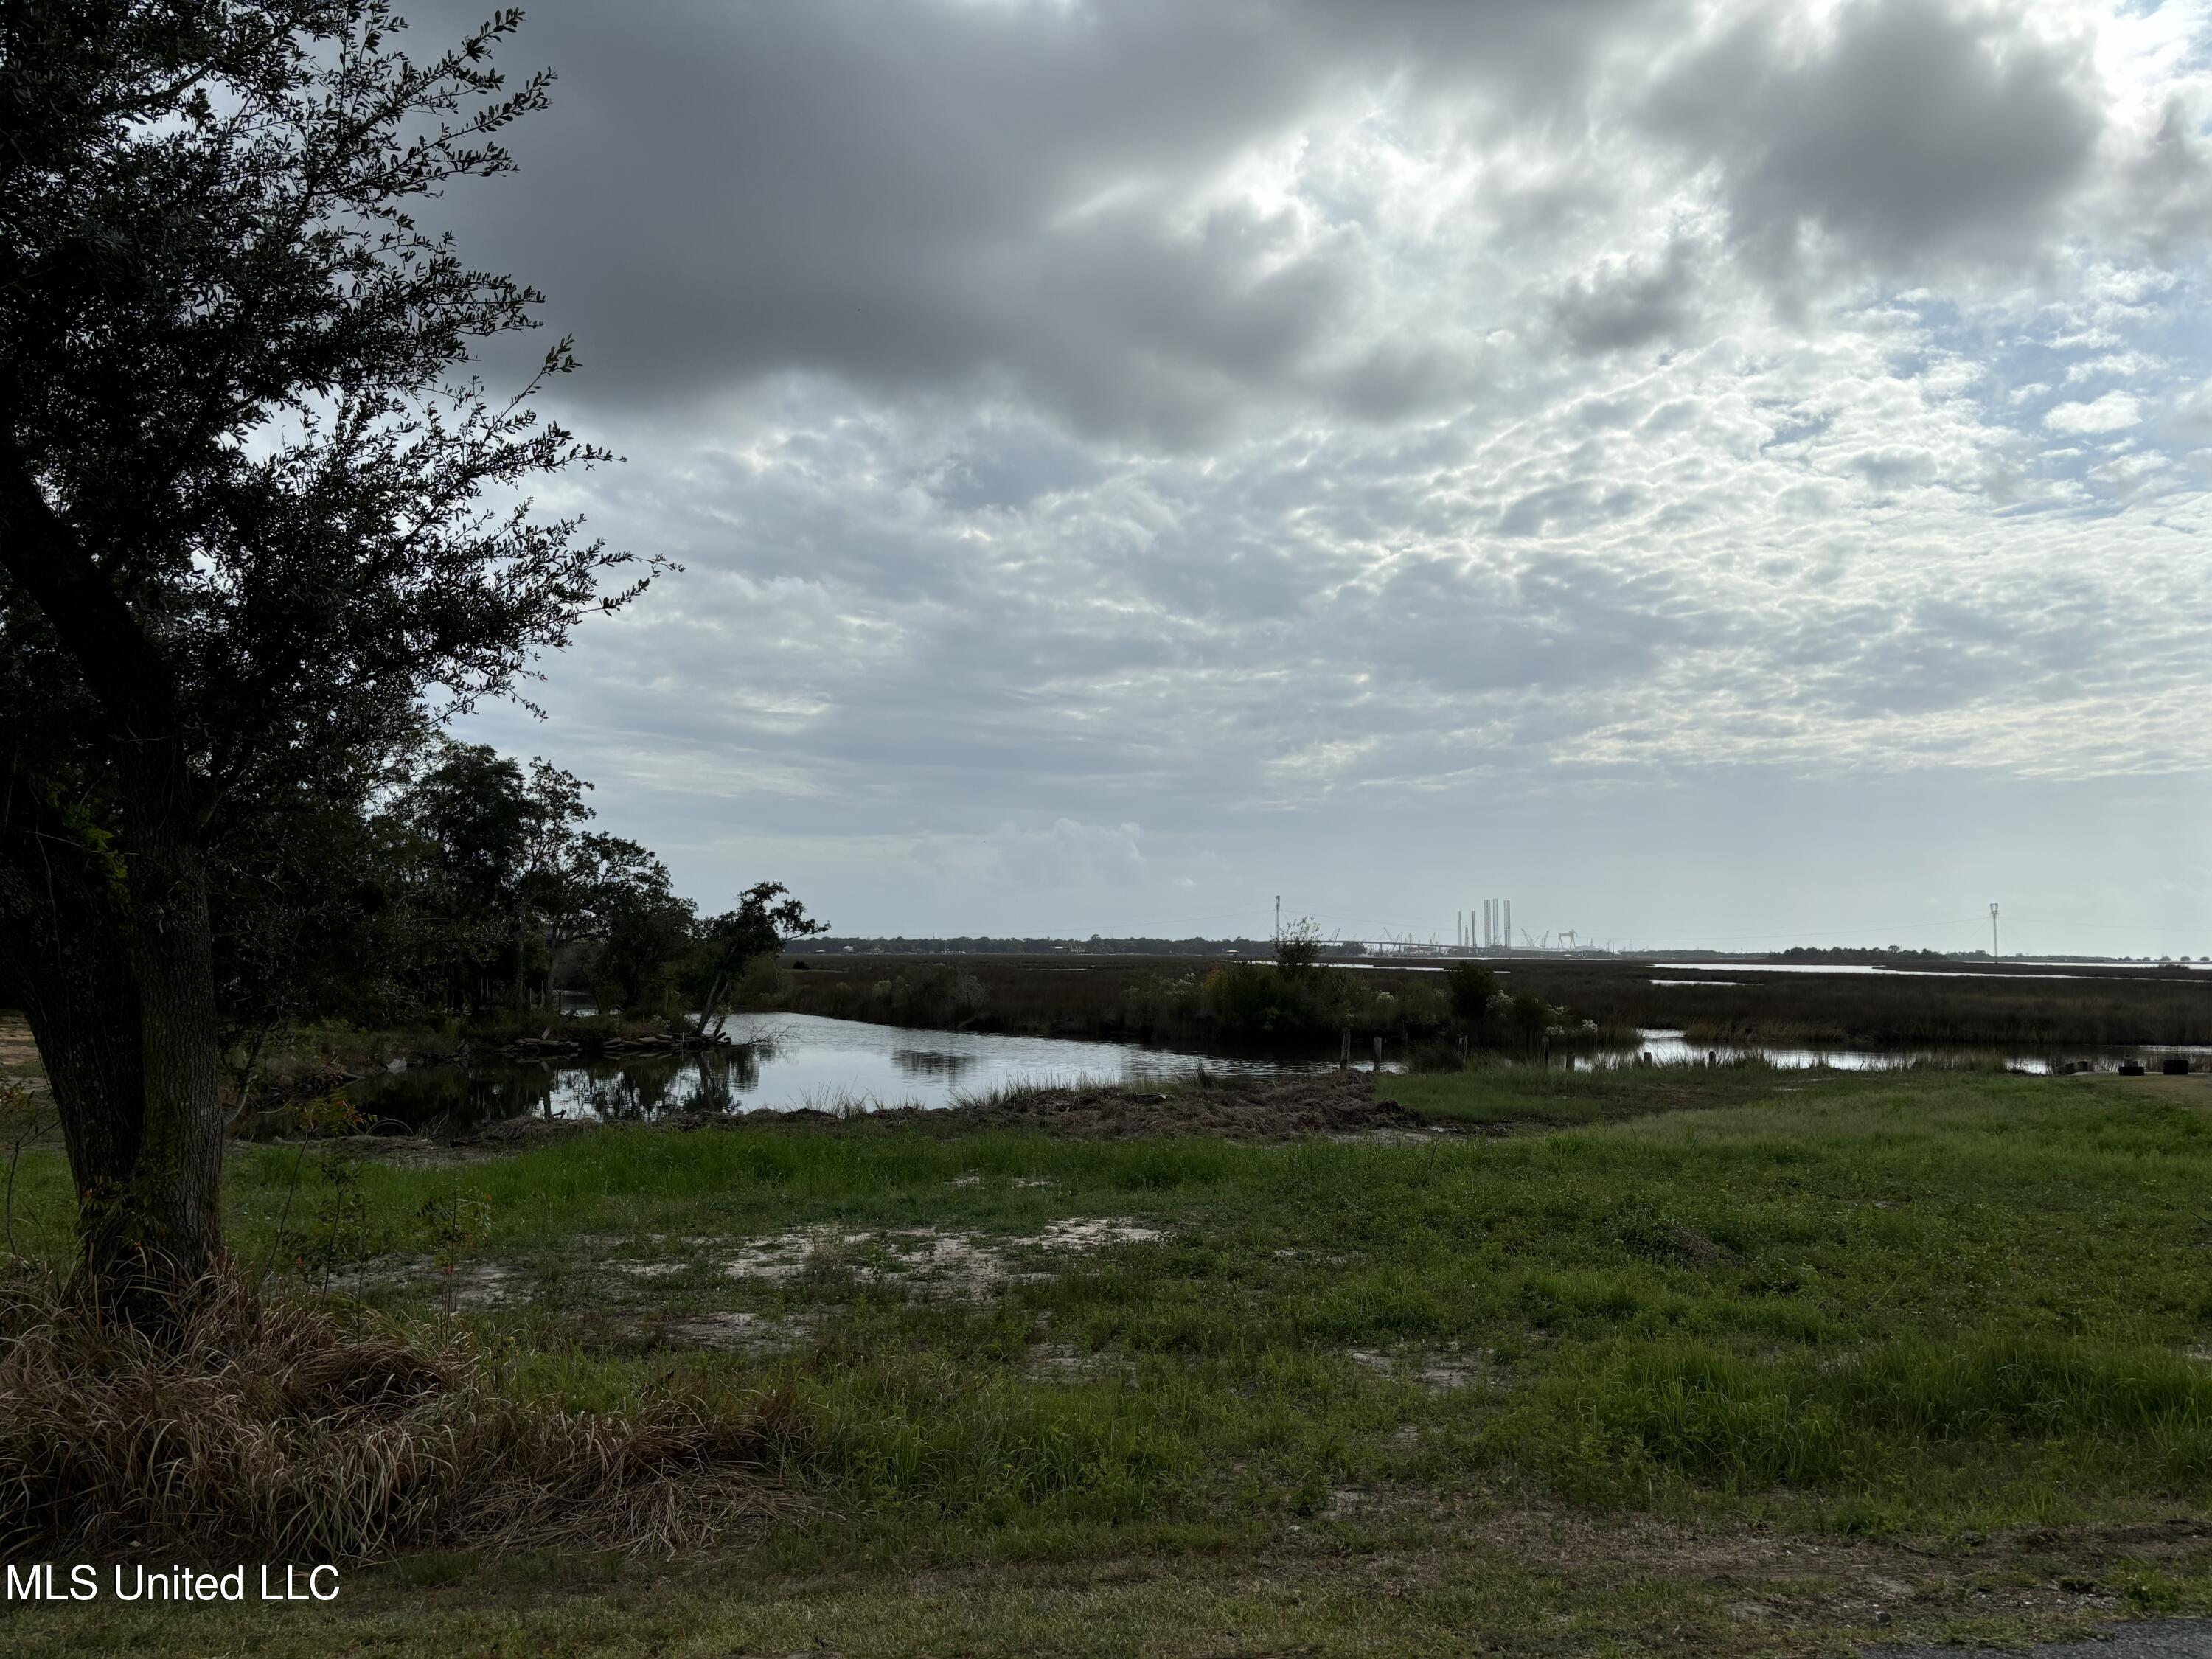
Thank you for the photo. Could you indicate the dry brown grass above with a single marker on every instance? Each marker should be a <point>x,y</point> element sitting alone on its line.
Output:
<point>285,1431</point>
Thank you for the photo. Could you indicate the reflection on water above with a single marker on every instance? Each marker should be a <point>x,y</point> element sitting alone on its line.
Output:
<point>789,1060</point>
<point>1829,970</point>
<point>1667,1047</point>
<point>779,1061</point>
<point>482,1091</point>
<point>925,1062</point>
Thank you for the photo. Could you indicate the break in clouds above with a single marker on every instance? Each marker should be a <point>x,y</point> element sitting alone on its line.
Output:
<point>1108,438</point>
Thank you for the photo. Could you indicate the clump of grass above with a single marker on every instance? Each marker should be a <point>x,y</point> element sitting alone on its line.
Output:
<point>839,1102</point>
<point>286,1430</point>
<point>1014,1086</point>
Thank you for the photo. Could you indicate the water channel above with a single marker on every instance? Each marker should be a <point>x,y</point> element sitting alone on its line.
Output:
<point>785,1061</point>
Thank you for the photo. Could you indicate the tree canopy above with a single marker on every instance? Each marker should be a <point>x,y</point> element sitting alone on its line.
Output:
<point>474,884</point>
<point>258,519</point>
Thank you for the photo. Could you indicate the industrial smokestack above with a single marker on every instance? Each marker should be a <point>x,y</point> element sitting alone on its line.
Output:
<point>1509,923</point>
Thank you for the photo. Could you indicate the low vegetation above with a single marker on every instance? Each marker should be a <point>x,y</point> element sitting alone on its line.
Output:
<point>1911,1352</point>
<point>1149,999</point>
<point>1296,1001</point>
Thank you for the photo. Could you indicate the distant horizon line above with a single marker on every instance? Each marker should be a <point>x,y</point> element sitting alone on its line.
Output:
<point>1201,945</point>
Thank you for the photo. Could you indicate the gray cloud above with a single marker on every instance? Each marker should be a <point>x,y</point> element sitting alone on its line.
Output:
<point>913,196</point>
<point>1905,130</point>
<point>1299,428</point>
<point>1624,305</point>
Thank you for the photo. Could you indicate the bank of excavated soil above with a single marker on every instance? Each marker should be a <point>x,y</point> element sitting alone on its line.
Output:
<point>1266,1109</point>
<point>1329,1104</point>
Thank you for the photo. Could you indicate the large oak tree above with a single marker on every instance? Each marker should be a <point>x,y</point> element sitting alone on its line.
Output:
<point>255,515</point>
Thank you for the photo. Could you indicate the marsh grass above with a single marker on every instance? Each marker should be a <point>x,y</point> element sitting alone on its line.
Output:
<point>1124,997</point>
<point>1013,1085</point>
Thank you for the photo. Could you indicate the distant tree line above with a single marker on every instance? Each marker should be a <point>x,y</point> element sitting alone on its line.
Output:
<point>465,882</point>
<point>1096,945</point>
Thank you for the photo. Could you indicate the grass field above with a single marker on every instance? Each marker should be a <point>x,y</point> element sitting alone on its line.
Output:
<point>1702,1360</point>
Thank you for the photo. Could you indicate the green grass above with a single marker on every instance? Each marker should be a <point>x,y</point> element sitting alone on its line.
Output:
<point>1930,1307</point>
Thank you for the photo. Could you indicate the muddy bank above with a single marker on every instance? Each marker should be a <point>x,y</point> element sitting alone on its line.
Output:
<point>1331,1105</point>
<point>1328,1103</point>
<point>1269,1108</point>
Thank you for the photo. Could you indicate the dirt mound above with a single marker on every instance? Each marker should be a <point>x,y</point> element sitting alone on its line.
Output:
<point>514,1135</point>
<point>1334,1105</point>
<point>1267,1108</point>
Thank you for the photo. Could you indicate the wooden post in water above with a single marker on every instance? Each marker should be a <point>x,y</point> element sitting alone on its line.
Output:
<point>1344,1055</point>
<point>1378,1055</point>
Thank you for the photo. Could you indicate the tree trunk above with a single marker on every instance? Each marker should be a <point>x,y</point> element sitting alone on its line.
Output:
<point>518,996</point>
<point>146,1152</point>
<point>112,962</point>
<point>64,960</point>
<point>172,1219</point>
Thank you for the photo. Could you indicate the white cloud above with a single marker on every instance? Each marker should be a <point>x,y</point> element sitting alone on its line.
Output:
<point>2110,413</point>
<point>1077,417</point>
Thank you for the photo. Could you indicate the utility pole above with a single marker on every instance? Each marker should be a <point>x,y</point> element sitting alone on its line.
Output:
<point>1993,935</point>
<point>1278,918</point>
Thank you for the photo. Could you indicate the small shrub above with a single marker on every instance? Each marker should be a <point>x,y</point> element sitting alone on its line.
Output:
<point>342,1228</point>
<point>460,1225</point>
<point>1158,1002</point>
<point>1297,948</point>
<point>937,995</point>
<point>1470,986</point>
<point>763,983</point>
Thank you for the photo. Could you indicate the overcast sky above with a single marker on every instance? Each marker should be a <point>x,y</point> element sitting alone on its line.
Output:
<point>1728,474</point>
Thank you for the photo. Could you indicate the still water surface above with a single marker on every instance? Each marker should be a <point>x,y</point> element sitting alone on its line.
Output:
<point>781,1061</point>
<point>787,1060</point>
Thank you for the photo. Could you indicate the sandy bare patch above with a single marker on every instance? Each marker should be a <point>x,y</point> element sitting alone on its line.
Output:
<point>928,1261</point>
<point>650,1269</point>
<point>1091,1235</point>
<point>473,1284</point>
